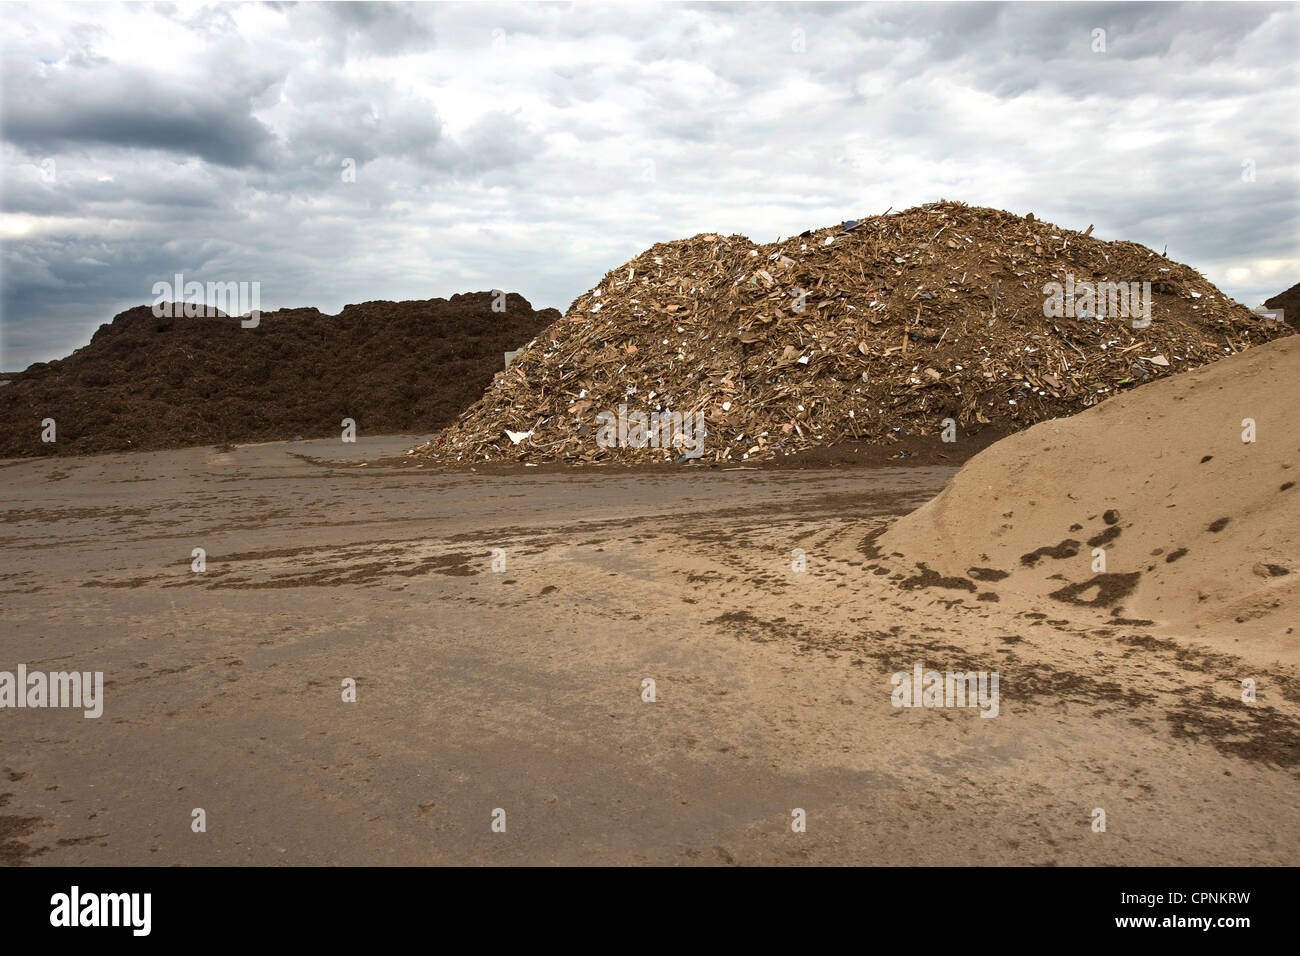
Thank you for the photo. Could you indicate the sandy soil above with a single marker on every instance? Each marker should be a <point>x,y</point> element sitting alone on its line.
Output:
<point>521,690</point>
<point>1198,530</point>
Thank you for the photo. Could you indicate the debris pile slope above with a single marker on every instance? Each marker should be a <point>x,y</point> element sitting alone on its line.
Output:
<point>1199,529</point>
<point>148,383</point>
<point>860,332</point>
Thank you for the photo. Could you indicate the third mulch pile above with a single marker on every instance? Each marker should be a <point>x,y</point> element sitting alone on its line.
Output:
<point>866,331</point>
<point>1198,528</point>
<point>1288,302</point>
<point>145,382</point>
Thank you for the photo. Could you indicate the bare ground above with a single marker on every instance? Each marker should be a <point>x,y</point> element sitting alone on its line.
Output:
<point>521,690</point>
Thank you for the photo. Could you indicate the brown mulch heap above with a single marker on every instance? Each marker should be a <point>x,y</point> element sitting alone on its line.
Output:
<point>1289,303</point>
<point>149,383</point>
<point>909,318</point>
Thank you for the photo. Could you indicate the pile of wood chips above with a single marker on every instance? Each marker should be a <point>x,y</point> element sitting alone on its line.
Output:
<point>866,331</point>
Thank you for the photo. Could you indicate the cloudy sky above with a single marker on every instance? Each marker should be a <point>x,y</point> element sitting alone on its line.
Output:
<point>534,147</point>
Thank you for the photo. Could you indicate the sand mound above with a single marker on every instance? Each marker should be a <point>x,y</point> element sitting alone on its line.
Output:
<point>867,331</point>
<point>1200,530</point>
<point>150,383</point>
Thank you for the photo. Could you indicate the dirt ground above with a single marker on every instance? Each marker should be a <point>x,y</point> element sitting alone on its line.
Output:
<point>521,690</point>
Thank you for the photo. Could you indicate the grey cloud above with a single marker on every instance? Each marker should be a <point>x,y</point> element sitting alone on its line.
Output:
<point>383,29</point>
<point>99,105</point>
